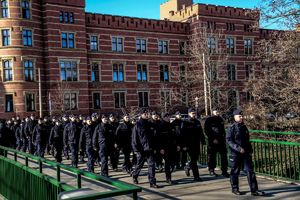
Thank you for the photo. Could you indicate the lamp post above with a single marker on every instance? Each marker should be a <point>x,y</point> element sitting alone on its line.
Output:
<point>197,105</point>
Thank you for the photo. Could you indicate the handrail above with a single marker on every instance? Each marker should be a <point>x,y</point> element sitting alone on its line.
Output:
<point>122,188</point>
<point>275,142</point>
<point>274,132</point>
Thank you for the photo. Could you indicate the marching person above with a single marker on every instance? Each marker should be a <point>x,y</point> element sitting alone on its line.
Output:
<point>29,126</point>
<point>142,145</point>
<point>155,125</point>
<point>114,160</point>
<point>65,122</point>
<point>86,143</point>
<point>238,140</point>
<point>39,138</point>
<point>56,140</point>
<point>215,132</point>
<point>123,140</point>
<point>193,136</point>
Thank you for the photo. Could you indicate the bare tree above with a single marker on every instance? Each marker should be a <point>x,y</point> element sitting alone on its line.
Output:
<point>56,99</point>
<point>200,78</point>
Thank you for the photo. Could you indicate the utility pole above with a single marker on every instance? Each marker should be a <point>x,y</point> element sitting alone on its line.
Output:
<point>205,85</point>
<point>40,93</point>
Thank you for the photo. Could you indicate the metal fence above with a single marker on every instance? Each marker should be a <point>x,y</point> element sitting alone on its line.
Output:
<point>272,157</point>
<point>19,181</point>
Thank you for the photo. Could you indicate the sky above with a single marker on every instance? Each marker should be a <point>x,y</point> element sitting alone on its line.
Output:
<point>150,8</point>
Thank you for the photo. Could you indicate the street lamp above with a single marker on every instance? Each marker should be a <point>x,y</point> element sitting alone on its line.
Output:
<point>197,105</point>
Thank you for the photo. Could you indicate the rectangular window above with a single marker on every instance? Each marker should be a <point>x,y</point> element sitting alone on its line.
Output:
<point>9,103</point>
<point>4,9</point>
<point>143,99</point>
<point>117,44</point>
<point>212,73</point>
<point>211,25</point>
<point>184,98</point>
<point>71,17</point>
<point>165,99</point>
<point>95,72</point>
<point>7,70</point>
<point>67,40</point>
<point>66,14</point>
<point>163,47</point>
<point>28,70</point>
<point>247,28</point>
<point>68,71</point>
<point>182,47</point>
<point>231,72</point>
<point>66,17</point>
<point>27,37</point>
<point>211,42</point>
<point>232,99</point>
<point>249,71</point>
<point>30,102</point>
<point>119,99</point>
<point>94,43</point>
<point>230,26</point>
<point>5,37</point>
<point>182,72</point>
<point>118,72</point>
<point>25,9</point>
<point>97,100</point>
<point>142,74</point>
<point>230,45</point>
<point>61,16</point>
<point>248,46</point>
<point>70,101</point>
<point>164,73</point>
<point>141,46</point>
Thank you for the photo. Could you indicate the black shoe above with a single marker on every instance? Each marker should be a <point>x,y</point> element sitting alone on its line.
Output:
<point>258,193</point>
<point>197,179</point>
<point>226,175</point>
<point>212,173</point>
<point>154,185</point>
<point>236,192</point>
<point>135,181</point>
<point>169,181</point>
<point>187,171</point>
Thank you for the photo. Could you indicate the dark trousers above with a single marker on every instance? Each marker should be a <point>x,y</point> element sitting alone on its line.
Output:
<point>58,151</point>
<point>40,149</point>
<point>28,145</point>
<point>181,158</point>
<point>127,164</point>
<point>74,151</point>
<point>212,151</point>
<point>169,158</point>
<point>114,157</point>
<point>19,144</point>
<point>104,153</point>
<point>194,156</point>
<point>91,160</point>
<point>141,158</point>
<point>236,163</point>
<point>158,159</point>
<point>66,151</point>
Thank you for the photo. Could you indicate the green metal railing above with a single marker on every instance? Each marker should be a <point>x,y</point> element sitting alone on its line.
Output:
<point>273,158</point>
<point>19,181</point>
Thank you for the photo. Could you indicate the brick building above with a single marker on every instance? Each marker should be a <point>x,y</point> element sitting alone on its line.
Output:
<point>100,63</point>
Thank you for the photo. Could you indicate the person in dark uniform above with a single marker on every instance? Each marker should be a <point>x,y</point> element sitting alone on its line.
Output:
<point>81,124</point>
<point>167,146</point>
<point>103,139</point>
<point>95,123</point>
<point>71,139</point>
<point>238,140</point>
<point>14,129</point>
<point>10,129</point>
<point>29,126</point>
<point>155,125</point>
<point>181,154</point>
<point>40,137</point>
<point>4,135</point>
<point>193,136</point>
<point>20,135</point>
<point>215,132</point>
<point>48,126</point>
<point>142,145</point>
<point>123,140</point>
<point>86,143</point>
<point>65,122</point>
<point>115,152</point>
<point>56,140</point>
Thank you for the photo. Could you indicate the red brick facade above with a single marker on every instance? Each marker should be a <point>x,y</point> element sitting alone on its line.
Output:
<point>47,54</point>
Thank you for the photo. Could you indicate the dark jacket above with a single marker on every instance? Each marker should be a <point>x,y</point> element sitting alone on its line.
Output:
<point>123,135</point>
<point>155,126</point>
<point>4,135</point>
<point>56,135</point>
<point>103,136</point>
<point>86,137</point>
<point>71,133</point>
<point>142,138</point>
<point>193,134</point>
<point>29,126</point>
<point>39,134</point>
<point>177,126</point>
<point>214,129</point>
<point>166,138</point>
<point>238,137</point>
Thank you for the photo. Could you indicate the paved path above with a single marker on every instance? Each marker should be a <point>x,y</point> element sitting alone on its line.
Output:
<point>185,188</point>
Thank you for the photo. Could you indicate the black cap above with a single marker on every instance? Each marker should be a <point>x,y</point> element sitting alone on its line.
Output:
<point>237,112</point>
<point>95,115</point>
<point>112,115</point>
<point>71,116</point>
<point>88,119</point>
<point>143,111</point>
<point>64,116</point>
<point>166,115</point>
<point>191,110</point>
<point>103,116</point>
<point>154,113</point>
<point>126,115</point>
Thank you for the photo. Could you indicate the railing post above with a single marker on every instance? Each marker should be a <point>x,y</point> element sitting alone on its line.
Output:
<point>135,197</point>
<point>15,156</point>
<point>41,166</point>
<point>79,180</point>
<point>26,161</point>
<point>58,173</point>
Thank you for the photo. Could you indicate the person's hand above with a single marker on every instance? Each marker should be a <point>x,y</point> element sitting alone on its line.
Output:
<point>154,151</point>
<point>178,148</point>
<point>184,148</point>
<point>242,150</point>
<point>116,146</point>
<point>162,151</point>
<point>216,141</point>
